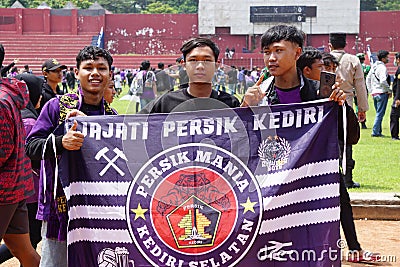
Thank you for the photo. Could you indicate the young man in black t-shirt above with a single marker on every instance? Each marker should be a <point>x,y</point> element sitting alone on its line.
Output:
<point>200,56</point>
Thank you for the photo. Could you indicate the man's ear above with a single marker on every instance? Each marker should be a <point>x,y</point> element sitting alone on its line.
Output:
<point>298,52</point>
<point>306,71</point>
<point>76,70</point>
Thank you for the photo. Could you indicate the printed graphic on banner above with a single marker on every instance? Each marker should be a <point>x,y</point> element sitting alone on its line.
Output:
<point>238,187</point>
<point>197,210</point>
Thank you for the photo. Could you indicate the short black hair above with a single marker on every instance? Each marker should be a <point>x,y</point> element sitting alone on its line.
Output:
<point>397,55</point>
<point>328,58</point>
<point>2,54</point>
<point>160,65</point>
<point>308,57</point>
<point>282,33</point>
<point>145,65</point>
<point>93,52</point>
<point>199,42</point>
<point>338,40</point>
<point>382,54</point>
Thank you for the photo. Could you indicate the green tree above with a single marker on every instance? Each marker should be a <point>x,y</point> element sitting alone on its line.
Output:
<point>119,6</point>
<point>388,5</point>
<point>159,8</point>
<point>57,3</point>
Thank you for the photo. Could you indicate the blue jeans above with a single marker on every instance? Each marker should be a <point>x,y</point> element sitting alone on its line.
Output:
<point>380,103</point>
<point>54,252</point>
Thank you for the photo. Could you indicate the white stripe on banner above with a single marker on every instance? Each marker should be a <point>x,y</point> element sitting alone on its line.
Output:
<point>307,170</point>
<point>97,188</point>
<point>98,235</point>
<point>97,212</point>
<point>300,219</point>
<point>301,195</point>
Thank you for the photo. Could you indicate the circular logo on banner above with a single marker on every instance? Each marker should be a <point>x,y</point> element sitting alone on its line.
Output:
<point>194,204</point>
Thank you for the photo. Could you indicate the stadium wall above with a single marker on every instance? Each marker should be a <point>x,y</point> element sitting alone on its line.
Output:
<point>155,34</point>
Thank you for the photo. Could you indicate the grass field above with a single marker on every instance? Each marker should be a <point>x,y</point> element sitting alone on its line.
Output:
<point>377,158</point>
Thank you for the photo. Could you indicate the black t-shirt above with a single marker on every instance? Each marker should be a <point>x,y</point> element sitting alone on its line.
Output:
<point>181,100</point>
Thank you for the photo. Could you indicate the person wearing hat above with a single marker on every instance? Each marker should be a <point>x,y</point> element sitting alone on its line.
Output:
<point>52,73</point>
<point>350,71</point>
<point>366,68</point>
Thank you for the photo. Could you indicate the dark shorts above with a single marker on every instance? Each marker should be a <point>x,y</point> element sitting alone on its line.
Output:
<point>14,219</point>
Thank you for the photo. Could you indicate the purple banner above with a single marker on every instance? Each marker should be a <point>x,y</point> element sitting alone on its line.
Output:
<point>231,187</point>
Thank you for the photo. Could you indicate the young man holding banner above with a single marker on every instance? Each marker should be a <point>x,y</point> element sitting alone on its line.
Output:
<point>47,141</point>
<point>282,46</point>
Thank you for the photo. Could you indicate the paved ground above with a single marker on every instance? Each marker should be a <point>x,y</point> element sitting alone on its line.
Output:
<point>376,236</point>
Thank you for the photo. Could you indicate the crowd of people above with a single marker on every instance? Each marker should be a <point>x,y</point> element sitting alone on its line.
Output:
<point>32,125</point>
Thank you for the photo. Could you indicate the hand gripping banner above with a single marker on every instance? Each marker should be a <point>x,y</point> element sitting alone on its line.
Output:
<point>231,187</point>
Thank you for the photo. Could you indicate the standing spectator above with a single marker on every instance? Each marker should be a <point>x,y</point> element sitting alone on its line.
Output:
<point>29,116</point>
<point>378,85</point>
<point>163,81</point>
<point>118,83</point>
<point>220,78</point>
<point>129,78</point>
<point>395,112</point>
<point>232,80</point>
<point>93,72</point>
<point>16,183</point>
<point>181,74</point>
<point>351,73</point>
<point>242,80</point>
<point>64,82</point>
<point>366,68</point>
<point>123,77</point>
<point>52,72</point>
<point>27,69</point>
<point>71,79</point>
<point>232,52</point>
<point>146,80</point>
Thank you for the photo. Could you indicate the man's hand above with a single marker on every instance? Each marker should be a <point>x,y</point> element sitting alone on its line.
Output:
<point>253,96</point>
<point>397,103</point>
<point>337,94</point>
<point>361,116</point>
<point>74,113</point>
<point>73,139</point>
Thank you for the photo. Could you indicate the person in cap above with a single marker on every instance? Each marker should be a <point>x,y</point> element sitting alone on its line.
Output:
<point>366,68</point>
<point>52,73</point>
<point>353,83</point>
<point>29,116</point>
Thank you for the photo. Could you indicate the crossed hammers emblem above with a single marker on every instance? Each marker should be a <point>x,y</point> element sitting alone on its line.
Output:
<point>111,162</point>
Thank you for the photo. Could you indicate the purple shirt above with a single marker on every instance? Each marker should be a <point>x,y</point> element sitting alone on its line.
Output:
<point>288,96</point>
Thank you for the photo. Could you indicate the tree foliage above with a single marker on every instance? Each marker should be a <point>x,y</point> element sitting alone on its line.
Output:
<point>157,8</point>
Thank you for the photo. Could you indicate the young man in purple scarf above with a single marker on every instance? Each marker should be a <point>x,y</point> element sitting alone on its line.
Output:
<point>94,72</point>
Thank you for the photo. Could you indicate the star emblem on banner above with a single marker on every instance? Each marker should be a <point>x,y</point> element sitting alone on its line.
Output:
<point>139,212</point>
<point>248,206</point>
